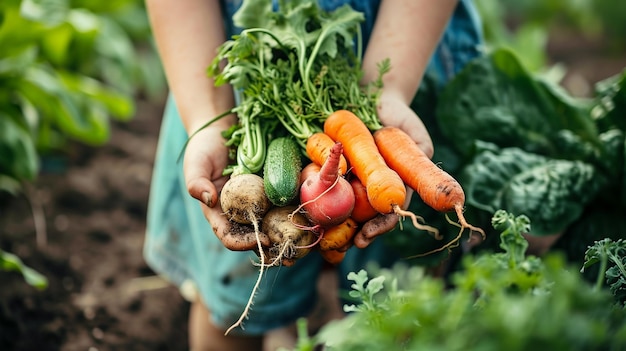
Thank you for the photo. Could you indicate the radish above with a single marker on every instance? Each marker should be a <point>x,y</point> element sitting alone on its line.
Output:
<point>326,197</point>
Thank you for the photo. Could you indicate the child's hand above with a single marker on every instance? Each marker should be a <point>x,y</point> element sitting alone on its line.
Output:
<point>206,156</point>
<point>394,112</point>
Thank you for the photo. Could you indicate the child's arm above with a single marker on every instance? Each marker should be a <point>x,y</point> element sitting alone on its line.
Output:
<point>407,32</point>
<point>187,34</point>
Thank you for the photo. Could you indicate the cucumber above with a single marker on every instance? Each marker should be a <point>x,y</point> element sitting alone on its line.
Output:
<point>281,171</point>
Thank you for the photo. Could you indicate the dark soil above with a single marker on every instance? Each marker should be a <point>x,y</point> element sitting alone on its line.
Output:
<point>81,224</point>
<point>90,210</point>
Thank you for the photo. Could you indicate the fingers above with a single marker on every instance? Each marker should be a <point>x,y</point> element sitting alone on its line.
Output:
<point>204,190</point>
<point>381,224</point>
<point>393,111</point>
<point>234,236</point>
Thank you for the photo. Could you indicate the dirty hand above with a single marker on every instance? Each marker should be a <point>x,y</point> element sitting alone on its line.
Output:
<point>206,156</point>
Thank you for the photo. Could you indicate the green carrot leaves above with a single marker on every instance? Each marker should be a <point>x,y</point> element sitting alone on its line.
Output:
<point>290,69</point>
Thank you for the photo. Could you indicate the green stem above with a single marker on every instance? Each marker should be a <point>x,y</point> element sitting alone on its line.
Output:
<point>252,149</point>
<point>268,32</point>
<point>601,272</point>
<point>303,70</point>
<point>295,125</point>
<point>618,262</point>
<point>213,120</point>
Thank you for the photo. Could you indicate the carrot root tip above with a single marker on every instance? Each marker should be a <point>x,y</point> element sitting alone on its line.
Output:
<point>415,219</point>
<point>473,229</point>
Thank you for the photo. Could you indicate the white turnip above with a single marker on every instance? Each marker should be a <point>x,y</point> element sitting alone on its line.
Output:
<point>288,234</point>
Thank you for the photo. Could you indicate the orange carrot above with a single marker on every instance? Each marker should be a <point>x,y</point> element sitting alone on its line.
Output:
<point>437,188</point>
<point>385,189</point>
<point>338,236</point>
<point>333,256</point>
<point>318,148</point>
<point>363,210</point>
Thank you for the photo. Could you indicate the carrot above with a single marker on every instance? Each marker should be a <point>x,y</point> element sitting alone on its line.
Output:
<point>363,210</point>
<point>333,256</point>
<point>318,148</point>
<point>437,188</point>
<point>338,236</point>
<point>385,189</point>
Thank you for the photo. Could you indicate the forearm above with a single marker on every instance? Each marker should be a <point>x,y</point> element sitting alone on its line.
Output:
<point>407,32</point>
<point>187,34</point>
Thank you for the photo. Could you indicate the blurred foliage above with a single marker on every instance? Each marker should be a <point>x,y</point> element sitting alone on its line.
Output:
<point>525,26</point>
<point>10,262</point>
<point>67,68</point>
<point>500,300</point>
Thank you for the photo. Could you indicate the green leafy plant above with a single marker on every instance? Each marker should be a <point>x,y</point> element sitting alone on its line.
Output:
<point>528,147</point>
<point>10,262</point>
<point>611,255</point>
<point>506,300</point>
<point>65,71</point>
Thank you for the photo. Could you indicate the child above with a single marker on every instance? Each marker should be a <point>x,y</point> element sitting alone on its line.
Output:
<point>183,236</point>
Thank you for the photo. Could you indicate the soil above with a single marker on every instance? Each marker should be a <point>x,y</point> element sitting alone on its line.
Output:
<point>81,224</point>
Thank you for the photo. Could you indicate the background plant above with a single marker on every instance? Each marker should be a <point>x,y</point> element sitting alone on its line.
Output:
<point>68,69</point>
<point>526,27</point>
<point>499,301</point>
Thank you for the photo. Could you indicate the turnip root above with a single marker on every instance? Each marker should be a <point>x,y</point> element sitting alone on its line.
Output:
<point>243,199</point>
<point>326,197</point>
<point>289,240</point>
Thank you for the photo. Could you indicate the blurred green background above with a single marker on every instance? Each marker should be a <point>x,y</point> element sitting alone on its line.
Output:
<point>71,68</point>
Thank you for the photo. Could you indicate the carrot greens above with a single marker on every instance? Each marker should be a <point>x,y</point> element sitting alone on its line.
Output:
<point>290,68</point>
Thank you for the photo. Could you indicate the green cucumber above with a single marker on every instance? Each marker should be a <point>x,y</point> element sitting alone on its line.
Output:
<point>281,171</point>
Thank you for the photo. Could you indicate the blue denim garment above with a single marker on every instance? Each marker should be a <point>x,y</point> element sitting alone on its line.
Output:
<point>181,246</point>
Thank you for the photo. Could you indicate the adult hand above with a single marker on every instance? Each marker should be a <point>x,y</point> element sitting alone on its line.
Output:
<point>206,156</point>
<point>393,111</point>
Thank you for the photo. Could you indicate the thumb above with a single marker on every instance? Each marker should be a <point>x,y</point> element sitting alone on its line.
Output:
<point>203,190</point>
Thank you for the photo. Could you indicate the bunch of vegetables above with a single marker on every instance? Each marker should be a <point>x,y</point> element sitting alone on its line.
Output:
<point>312,166</point>
<point>312,163</point>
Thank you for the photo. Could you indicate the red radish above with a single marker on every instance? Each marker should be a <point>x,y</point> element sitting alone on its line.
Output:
<point>326,197</point>
<point>308,170</point>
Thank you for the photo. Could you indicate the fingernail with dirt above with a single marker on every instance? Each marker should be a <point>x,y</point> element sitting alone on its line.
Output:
<point>207,199</point>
